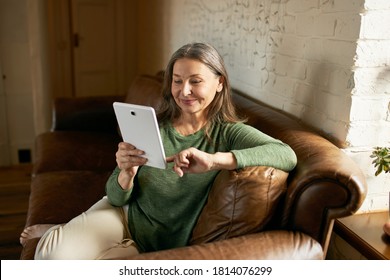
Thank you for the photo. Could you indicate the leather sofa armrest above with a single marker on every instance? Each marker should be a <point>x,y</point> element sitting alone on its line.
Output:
<point>268,245</point>
<point>325,185</point>
<point>85,113</point>
<point>28,250</point>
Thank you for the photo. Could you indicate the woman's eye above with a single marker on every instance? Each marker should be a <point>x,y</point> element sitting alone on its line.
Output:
<point>177,81</point>
<point>195,81</point>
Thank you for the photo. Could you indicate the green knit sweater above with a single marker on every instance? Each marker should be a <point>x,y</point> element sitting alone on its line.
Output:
<point>163,207</point>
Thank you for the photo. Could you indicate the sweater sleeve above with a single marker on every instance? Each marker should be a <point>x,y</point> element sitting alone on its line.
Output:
<point>252,147</point>
<point>115,194</point>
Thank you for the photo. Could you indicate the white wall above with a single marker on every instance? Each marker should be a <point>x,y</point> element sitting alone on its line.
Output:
<point>370,111</point>
<point>295,55</point>
<point>369,124</point>
<point>40,72</point>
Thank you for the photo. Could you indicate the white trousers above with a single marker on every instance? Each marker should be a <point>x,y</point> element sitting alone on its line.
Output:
<point>99,233</point>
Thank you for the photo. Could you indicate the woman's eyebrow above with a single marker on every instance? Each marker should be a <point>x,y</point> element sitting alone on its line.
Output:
<point>191,76</point>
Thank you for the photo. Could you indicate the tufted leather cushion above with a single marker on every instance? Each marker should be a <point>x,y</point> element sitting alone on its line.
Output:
<point>240,202</point>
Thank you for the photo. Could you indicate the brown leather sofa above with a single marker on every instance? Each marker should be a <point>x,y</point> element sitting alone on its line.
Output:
<point>253,213</point>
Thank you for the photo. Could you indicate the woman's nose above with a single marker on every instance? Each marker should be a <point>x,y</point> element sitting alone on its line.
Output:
<point>186,90</point>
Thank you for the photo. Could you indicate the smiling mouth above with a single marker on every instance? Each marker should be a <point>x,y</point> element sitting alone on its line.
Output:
<point>188,101</point>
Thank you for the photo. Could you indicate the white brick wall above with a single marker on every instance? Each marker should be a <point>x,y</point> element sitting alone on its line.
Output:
<point>273,47</point>
<point>324,61</point>
<point>369,118</point>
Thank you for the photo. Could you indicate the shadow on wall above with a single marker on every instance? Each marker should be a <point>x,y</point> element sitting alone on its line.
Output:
<point>326,100</point>
<point>383,87</point>
<point>383,83</point>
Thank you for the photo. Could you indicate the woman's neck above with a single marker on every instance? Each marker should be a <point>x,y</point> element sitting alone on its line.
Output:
<point>187,125</point>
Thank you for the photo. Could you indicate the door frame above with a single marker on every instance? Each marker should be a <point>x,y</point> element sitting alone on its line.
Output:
<point>5,151</point>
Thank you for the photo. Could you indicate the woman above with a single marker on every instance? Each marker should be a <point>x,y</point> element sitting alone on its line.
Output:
<point>148,209</point>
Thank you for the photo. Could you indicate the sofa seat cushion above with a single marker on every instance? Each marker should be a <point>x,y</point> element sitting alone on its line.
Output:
<point>75,150</point>
<point>240,202</point>
<point>267,245</point>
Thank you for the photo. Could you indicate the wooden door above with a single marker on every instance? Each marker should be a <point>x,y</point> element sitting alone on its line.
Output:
<point>86,47</point>
<point>97,47</point>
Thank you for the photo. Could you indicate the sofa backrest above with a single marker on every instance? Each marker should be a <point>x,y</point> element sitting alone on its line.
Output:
<point>145,90</point>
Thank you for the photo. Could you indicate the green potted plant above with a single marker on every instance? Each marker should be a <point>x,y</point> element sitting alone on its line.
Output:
<point>381,162</point>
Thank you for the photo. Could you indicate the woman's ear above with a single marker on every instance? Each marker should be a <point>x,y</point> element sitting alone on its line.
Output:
<point>220,84</point>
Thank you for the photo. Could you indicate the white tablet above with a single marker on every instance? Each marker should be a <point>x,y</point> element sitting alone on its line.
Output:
<point>139,127</point>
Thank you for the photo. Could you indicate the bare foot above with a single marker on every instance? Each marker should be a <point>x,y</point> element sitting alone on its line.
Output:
<point>34,231</point>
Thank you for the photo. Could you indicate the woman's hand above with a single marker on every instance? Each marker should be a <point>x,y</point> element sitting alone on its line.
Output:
<point>128,159</point>
<point>193,160</point>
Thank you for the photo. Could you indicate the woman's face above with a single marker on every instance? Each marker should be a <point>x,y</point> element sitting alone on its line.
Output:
<point>194,86</point>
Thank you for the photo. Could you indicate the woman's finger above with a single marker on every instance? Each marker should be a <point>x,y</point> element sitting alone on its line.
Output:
<point>178,170</point>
